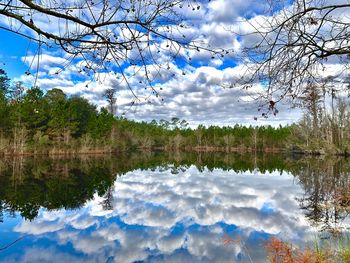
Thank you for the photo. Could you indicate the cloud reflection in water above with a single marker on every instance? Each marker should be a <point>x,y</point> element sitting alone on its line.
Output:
<point>157,216</point>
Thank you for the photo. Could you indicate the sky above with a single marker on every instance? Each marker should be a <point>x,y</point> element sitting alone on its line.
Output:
<point>195,93</point>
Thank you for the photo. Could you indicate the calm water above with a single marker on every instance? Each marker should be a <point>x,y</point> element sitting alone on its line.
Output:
<point>165,208</point>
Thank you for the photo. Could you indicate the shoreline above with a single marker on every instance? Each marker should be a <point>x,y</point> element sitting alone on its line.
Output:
<point>189,149</point>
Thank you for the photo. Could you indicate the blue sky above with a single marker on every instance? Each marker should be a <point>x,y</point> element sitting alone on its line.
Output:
<point>197,92</point>
<point>12,48</point>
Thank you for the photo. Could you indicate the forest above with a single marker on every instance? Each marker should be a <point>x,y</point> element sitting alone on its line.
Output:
<point>37,122</point>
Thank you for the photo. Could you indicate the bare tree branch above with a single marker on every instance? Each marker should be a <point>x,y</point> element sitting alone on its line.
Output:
<point>108,35</point>
<point>293,45</point>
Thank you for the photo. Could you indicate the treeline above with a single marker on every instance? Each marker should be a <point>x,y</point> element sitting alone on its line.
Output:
<point>34,122</point>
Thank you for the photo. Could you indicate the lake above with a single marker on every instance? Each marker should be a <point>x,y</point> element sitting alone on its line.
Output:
<point>174,207</point>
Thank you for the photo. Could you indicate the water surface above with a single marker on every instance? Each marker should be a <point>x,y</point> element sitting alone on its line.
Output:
<point>164,208</point>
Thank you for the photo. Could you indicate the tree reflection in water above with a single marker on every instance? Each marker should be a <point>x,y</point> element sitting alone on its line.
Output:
<point>27,184</point>
<point>327,193</point>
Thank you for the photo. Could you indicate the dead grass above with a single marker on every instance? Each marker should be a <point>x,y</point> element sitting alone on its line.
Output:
<point>282,252</point>
<point>279,251</point>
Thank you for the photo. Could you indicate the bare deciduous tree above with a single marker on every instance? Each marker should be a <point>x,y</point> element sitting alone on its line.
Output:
<point>110,95</point>
<point>109,36</point>
<point>293,45</point>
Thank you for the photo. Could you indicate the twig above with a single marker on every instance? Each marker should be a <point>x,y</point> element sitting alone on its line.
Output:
<point>11,244</point>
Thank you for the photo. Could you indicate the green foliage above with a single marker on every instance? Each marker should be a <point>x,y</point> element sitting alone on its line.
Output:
<point>41,139</point>
<point>4,82</point>
<point>4,112</point>
<point>56,121</point>
<point>102,124</point>
<point>34,110</point>
<point>55,96</point>
<point>81,114</point>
